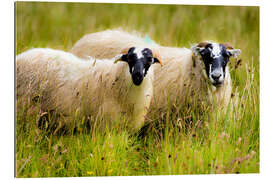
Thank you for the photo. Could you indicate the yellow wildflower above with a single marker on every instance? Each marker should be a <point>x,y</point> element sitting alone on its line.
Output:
<point>90,172</point>
<point>110,171</point>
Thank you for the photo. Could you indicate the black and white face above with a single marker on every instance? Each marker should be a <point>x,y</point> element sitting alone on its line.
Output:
<point>139,61</point>
<point>215,57</point>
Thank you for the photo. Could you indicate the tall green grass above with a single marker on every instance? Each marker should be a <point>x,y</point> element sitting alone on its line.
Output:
<point>184,141</point>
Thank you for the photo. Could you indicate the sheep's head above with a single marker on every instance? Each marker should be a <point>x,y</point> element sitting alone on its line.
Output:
<point>215,57</point>
<point>139,61</point>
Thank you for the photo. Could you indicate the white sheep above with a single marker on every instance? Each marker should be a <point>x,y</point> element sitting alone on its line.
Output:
<point>67,84</point>
<point>184,73</point>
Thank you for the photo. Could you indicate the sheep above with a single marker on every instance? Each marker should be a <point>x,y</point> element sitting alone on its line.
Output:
<point>68,84</point>
<point>185,72</point>
<point>212,58</point>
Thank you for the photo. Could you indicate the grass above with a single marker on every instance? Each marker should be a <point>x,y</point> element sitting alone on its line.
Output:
<point>213,142</point>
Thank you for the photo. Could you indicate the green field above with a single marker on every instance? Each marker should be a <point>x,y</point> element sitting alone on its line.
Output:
<point>213,142</point>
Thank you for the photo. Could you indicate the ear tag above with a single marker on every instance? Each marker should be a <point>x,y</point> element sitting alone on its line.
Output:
<point>148,40</point>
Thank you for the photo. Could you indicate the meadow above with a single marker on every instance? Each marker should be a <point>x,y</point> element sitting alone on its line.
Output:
<point>199,143</point>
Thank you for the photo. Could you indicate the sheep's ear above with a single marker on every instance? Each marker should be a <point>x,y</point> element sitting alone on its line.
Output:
<point>234,52</point>
<point>157,58</point>
<point>124,57</point>
<point>121,57</point>
<point>199,48</point>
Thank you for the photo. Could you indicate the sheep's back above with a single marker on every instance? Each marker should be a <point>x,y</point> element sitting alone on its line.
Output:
<point>51,74</point>
<point>106,44</point>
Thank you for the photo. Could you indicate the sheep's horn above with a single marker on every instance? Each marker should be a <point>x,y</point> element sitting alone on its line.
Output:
<point>157,56</point>
<point>228,46</point>
<point>124,51</point>
<point>202,44</point>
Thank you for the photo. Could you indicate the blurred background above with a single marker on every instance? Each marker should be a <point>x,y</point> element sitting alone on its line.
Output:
<point>60,25</point>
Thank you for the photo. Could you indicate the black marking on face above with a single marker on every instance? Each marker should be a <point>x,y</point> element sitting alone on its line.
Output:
<point>215,58</point>
<point>139,61</point>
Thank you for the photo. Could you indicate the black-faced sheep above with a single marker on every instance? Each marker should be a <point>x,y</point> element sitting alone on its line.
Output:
<point>200,72</point>
<point>213,58</point>
<point>67,84</point>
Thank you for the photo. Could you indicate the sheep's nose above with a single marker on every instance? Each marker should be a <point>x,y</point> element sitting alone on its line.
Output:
<point>216,76</point>
<point>137,78</point>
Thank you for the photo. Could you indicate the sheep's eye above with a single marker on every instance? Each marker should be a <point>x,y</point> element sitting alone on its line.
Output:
<point>205,52</point>
<point>150,59</point>
<point>132,57</point>
<point>225,62</point>
<point>225,54</point>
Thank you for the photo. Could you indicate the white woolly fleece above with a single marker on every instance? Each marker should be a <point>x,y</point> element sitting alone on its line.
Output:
<point>68,84</point>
